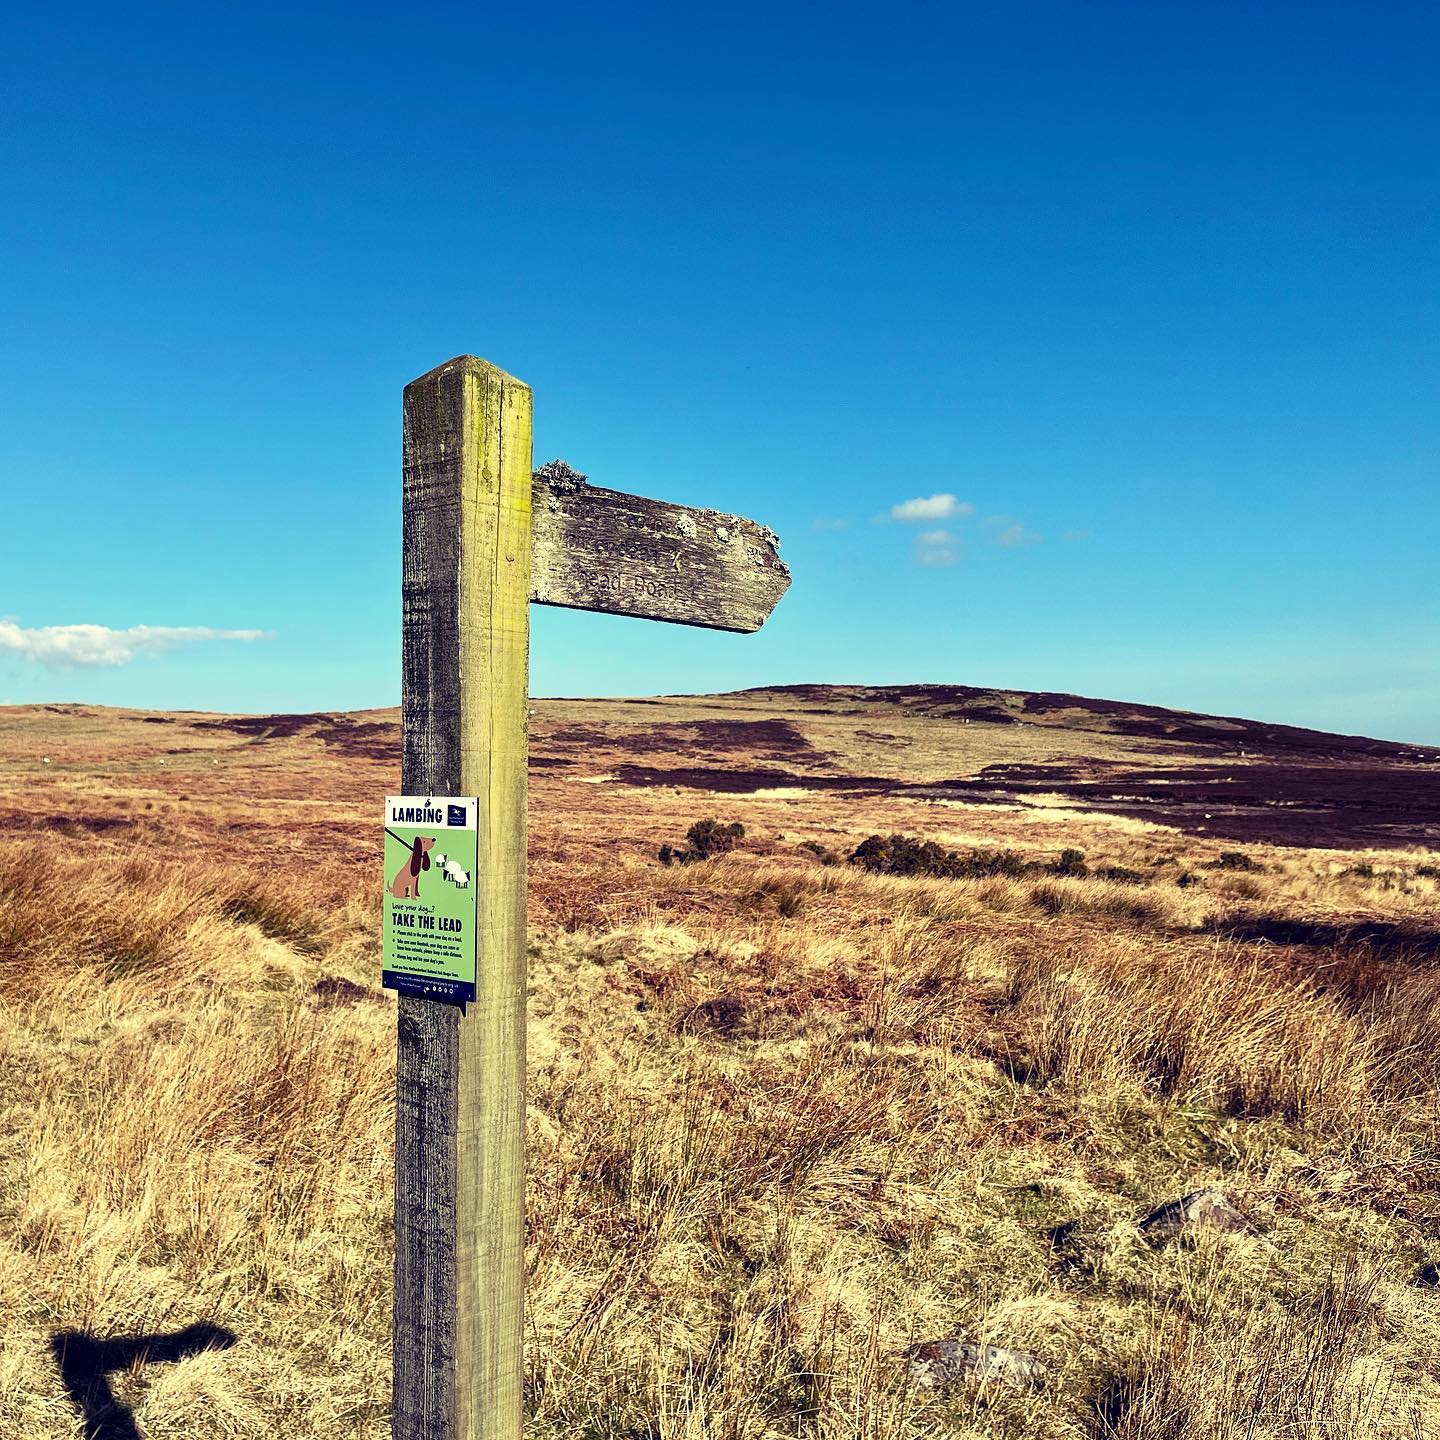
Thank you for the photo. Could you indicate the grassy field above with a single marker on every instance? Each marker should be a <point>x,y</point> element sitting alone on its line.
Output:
<point>788,1118</point>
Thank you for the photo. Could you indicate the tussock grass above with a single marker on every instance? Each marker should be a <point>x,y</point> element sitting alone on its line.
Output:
<point>922,1083</point>
<point>1200,1023</point>
<point>187,1137</point>
<point>1297,1380</point>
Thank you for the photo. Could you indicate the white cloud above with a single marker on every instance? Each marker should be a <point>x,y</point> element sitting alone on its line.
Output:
<point>931,507</point>
<point>63,647</point>
<point>1017,534</point>
<point>830,522</point>
<point>938,556</point>
<point>933,537</point>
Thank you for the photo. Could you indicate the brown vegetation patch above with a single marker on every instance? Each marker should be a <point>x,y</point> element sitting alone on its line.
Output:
<point>580,735</point>
<point>64,823</point>
<point>776,737</point>
<point>361,739</point>
<point>763,739</point>
<point>1381,939</point>
<point>1119,717</point>
<point>264,727</point>
<point>1335,805</point>
<point>739,781</point>
<point>369,740</point>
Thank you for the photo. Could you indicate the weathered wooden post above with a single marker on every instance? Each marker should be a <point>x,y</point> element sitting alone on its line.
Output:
<point>475,518</point>
<point>460,1099</point>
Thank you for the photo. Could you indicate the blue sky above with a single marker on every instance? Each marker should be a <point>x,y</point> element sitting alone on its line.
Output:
<point>1156,284</point>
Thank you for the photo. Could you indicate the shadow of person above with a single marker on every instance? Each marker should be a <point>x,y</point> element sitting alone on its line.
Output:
<point>85,1364</point>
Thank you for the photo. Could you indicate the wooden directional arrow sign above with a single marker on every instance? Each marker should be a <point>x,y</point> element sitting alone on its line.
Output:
<point>483,535</point>
<point>594,549</point>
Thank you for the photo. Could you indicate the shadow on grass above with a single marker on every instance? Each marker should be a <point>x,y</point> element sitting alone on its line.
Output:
<point>86,1363</point>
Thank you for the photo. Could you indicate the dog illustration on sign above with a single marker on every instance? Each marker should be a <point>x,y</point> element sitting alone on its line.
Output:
<point>406,884</point>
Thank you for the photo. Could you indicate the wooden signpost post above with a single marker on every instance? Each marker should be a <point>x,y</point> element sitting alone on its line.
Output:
<point>483,536</point>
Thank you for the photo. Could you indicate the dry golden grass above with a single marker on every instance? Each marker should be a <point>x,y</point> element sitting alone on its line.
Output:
<point>785,1118</point>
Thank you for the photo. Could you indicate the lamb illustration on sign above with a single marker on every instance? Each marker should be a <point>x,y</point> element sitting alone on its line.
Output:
<point>451,870</point>
<point>485,534</point>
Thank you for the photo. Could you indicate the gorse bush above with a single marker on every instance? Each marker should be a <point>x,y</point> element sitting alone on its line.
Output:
<point>905,855</point>
<point>1121,875</point>
<point>708,838</point>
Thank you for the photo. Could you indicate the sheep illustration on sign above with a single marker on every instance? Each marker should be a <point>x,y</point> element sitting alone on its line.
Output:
<point>429,929</point>
<point>451,871</point>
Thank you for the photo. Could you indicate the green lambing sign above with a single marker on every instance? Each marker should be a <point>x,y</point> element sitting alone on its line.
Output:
<point>429,919</point>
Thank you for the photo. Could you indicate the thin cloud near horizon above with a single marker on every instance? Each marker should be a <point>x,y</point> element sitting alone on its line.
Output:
<point>69,647</point>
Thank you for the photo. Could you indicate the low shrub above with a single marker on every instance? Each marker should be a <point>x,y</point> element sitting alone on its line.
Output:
<point>905,855</point>
<point>1233,860</point>
<point>1122,875</point>
<point>708,838</point>
<point>981,863</point>
<point>823,853</point>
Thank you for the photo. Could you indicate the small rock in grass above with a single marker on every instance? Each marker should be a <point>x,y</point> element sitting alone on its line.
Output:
<point>944,1364</point>
<point>1204,1209</point>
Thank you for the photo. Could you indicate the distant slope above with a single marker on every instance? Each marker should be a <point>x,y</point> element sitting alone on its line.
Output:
<point>1219,777</point>
<point>1077,712</point>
